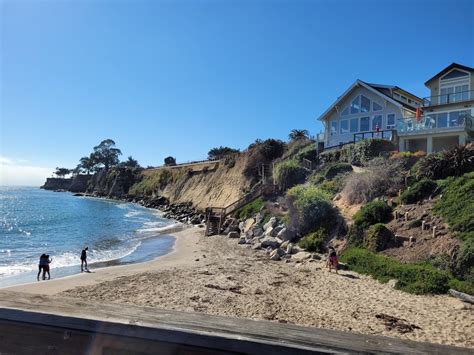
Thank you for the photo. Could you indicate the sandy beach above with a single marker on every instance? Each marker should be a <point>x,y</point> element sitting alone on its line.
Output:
<point>214,275</point>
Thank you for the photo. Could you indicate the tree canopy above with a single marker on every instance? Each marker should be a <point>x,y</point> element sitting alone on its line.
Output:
<point>106,154</point>
<point>170,161</point>
<point>62,172</point>
<point>130,163</point>
<point>220,152</point>
<point>297,134</point>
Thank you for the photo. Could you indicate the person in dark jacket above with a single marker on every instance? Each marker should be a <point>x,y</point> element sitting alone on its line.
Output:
<point>84,259</point>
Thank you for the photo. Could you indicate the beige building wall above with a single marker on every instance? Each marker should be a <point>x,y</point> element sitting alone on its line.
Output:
<point>387,106</point>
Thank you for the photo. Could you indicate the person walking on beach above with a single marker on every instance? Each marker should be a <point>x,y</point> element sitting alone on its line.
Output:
<point>41,266</point>
<point>84,259</point>
<point>332,259</point>
<point>47,261</point>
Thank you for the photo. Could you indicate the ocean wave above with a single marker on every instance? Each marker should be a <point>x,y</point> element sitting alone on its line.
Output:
<point>71,259</point>
<point>159,229</point>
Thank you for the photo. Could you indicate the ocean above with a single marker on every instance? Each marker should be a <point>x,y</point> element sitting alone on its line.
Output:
<point>35,221</point>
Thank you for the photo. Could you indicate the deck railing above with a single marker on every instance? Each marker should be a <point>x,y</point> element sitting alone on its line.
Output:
<point>430,122</point>
<point>448,98</point>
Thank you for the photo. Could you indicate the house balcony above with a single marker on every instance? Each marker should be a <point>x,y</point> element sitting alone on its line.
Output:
<point>448,99</point>
<point>433,124</point>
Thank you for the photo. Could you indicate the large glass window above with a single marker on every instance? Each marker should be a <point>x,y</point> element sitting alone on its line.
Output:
<point>354,125</point>
<point>376,106</point>
<point>355,105</point>
<point>344,126</point>
<point>442,120</point>
<point>345,112</point>
<point>333,128</point>
<point>376,122</point>
<point>364,104</point>
<point>456,118</point>
<point>391,120</point>
<point>364,123</point>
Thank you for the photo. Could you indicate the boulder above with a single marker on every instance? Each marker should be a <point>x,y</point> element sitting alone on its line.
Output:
<point>257,246</point>
<point>270,224</point>
<point>274,255</point>
<point>286,234</point>
<point>284,245</point>
<point>296,249</point>
<point>289,247</point>
<point>302,255</point>
<point>270,242</point>
<point>276,230</point>
<point>259,218</point>
<point>247,225</point>
<point>233,234</point>
<point>242,240</point>
<point>268,232</point>
<point>241,226</point>
<point>257,231</point>
<point>277,254</point>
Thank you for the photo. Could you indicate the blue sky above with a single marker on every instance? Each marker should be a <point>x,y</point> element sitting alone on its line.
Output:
<point>180,77</point>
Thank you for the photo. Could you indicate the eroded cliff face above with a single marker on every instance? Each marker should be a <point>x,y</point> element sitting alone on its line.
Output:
<point>215,184</point>
<point>77,183</point>
<point>114,182</point>
<point>57,184</point>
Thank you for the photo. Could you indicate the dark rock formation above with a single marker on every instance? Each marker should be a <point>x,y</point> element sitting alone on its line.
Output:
<point>79,183</point>
<point>57,184</point>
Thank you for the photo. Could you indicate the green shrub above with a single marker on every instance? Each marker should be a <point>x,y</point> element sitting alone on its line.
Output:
<point>418,191</point>
<point>310,209</point>
<point>372,213</point>
<point>465,260</point>
<point>359,153</point>
<point>313,242</point>
<point>462,286</point>
<point>356,235</point>
<point>413,278</point>
<point>456,205</point>
<point>336,169</point>
<point>379,238</point>
<point>271,149</point>
<point>250,209</point>
<point>309,152</point>
<point>454,162</point>
<point>289,173</point>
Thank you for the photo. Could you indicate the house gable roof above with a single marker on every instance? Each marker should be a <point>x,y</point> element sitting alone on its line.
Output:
<point>356,84</point>
<point>449,68</point>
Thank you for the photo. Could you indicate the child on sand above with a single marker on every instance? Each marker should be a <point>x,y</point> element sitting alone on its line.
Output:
<point>332,259</point>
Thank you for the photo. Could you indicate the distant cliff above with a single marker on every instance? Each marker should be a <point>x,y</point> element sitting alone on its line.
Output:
<point>77,183</point>
<point>114,182</point>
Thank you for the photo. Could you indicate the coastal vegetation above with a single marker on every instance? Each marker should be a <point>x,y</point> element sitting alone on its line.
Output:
<point>414,278</point>
<point>289,173</point>
<point>220,152</point>
<point>418,191</point>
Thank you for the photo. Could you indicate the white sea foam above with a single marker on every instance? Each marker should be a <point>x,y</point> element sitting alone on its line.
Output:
<point>157,229</point>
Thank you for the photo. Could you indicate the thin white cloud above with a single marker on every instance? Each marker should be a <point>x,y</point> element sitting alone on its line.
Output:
<point>4,160</point>
<point>14,172</point>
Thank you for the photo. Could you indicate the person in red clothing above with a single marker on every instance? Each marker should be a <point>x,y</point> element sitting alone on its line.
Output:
<point>332,259</point>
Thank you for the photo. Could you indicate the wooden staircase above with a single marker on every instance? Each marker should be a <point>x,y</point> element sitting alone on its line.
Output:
<point>215,216</point>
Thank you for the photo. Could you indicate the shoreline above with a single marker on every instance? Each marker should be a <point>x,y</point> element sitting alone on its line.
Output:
<point>215,275</point>
<point>176,256</point>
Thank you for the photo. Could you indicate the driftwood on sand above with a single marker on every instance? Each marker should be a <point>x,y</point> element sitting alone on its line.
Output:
<point>462,296</point>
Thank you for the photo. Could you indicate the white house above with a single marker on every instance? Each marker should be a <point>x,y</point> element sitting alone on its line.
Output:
<point>447,113</point>
<point>367,110</point>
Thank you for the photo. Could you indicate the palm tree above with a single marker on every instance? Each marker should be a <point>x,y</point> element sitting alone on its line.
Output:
<point>88,163</point>
<point>297,134</point>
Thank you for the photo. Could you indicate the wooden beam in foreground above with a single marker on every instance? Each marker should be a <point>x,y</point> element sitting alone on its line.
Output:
<point>33,324</point>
